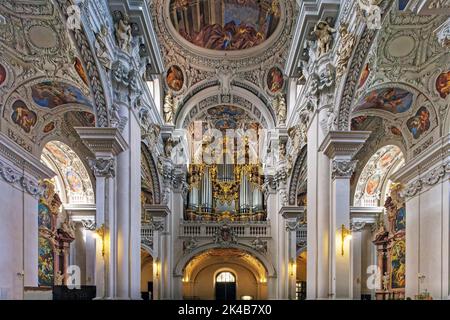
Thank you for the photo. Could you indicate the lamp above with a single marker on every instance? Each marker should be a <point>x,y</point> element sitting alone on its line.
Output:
<point>100,234</point>
<point>345,234</point>
<point>157,266</point>
<point>292,267</point>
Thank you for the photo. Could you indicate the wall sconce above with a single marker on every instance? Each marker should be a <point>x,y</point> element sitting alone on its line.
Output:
<point>100,235</point>
<point>345,234</point>
<point>157,267</point>
<point>292,267</point>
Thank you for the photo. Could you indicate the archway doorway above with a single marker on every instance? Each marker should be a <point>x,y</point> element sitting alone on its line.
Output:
<point>146,275</point>
<point>224,274</point>
<point>225,286</point>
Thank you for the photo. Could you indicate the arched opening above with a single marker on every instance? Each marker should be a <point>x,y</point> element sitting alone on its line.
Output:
<point>225,286</point>
<point>66,222</point>
<point>300,284</point>
<point>224,274</point>
<point>146,275</point>
<point>374,180</point>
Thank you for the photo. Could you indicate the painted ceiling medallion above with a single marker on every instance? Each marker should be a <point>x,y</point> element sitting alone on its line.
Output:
<point>43,37</point>
<point>23,116</point>
<point>275,80</point>
<point>225,24</point>
<point>175,78</point>
<point>2,74</point>
<point>443,84</point>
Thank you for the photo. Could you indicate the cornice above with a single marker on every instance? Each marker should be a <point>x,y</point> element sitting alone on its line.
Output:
<point>22,160</point>
<point>435,155</point>
<point>103,140</point>
<point>343,143</point>
<point>160,211</point>
<point>292,212</point>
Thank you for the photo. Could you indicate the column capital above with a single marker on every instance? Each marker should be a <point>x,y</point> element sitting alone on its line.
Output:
<point>157,211</point>
<point>103,167</point>
<point>342,169</point>
<point>343,144</point>
<point>103,141</point>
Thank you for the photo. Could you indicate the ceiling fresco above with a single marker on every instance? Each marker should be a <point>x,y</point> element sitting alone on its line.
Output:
<point>230,118</point>
<point>227,24</point>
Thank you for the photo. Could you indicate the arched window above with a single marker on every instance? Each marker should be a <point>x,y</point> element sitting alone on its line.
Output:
<point>226,277</point>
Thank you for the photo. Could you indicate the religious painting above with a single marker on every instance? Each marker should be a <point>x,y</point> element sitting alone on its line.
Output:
<point>275,80</point>
<point>175,78</point>
<point>400,219</point>
<point>420,123</point>
<point>387,158</point>
<point>364,76</point>
<point>52,94</point>
<point>398,265</point>
<point>443,84</point>
<point>2,74</point>
<point>394,100</point>
<point>226,24</point>
<point>396,131</point>
<point>80,70</point>
<point>372,184</point>
<point>22,116</point>
<point>44,216</point>
<point>45,262</point>
<point>49,127</point>
<point>357,122</point>
<point>226,117</point>
<point>74,181</point>
<point>57,153</point>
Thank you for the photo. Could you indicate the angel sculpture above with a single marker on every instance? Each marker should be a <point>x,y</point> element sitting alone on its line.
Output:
<point>372,13</point>
<point>280,108</point>
<point>324,35</point>
<point>169,108</point>
<point>100,48</point>
<point>123,33</point>
<point>345,49</point>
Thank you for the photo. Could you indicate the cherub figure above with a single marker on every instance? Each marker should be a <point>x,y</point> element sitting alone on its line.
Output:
<point>324,35</point>
<point>123,33</point>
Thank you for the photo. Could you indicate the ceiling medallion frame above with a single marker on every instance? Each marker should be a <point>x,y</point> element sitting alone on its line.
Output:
<point>175,47</point>
<point>229,54</point>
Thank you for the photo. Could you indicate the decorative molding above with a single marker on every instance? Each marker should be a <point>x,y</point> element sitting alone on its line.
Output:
<point>14,177</point>
<point>89,224</point>
<point>343,143</point>
<point>343,169</point>
<point>429,179</point>
<point>103,167</point>
<point>102,140</point>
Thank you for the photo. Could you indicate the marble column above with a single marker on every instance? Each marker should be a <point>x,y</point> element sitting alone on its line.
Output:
<point>105,144</point>
<point>340,147</point>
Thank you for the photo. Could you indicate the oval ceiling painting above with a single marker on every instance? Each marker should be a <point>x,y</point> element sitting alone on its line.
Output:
<point>51,94</point>
<point>175,78</point>
<point>225,24</point>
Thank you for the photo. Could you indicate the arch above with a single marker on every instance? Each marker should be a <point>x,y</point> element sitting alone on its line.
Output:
<point>147,249</point>
<point>184,260</point>
<point>211,97</point>
<point>374,177</point>
<point>297,174</point>
<point>356,65</point>
<point>97,80</point>
<point>73,179</point>
<point>149,172</point>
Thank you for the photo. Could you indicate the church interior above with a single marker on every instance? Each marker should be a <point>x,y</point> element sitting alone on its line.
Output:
<point>225,149</point>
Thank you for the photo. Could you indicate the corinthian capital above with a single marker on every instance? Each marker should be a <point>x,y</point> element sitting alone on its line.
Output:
<point>103,167</point>
<point>343,168</point>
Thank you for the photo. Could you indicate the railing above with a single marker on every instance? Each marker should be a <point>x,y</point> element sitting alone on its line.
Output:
<point>196,229</point>
<point>147,234</point>
<point>301,234</point>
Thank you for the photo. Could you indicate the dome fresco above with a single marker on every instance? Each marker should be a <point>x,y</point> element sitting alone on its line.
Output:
<point>225,24</point>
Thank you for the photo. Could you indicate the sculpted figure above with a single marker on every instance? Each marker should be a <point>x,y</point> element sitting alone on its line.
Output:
<point>123,33</point>
<point>345,49</point>
<point>101,50</point>
<point>324,35</point>
<point>169,108</point>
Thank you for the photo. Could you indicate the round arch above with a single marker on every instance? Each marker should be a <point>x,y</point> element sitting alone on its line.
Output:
<point>182,263</point>
<point>210,97</point>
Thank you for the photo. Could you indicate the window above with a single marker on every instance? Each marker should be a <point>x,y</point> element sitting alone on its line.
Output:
<point>225,277</point>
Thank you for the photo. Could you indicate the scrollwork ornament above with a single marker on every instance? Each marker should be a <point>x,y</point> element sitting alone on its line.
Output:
<point>103,167</point>
<point>343,168</point>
